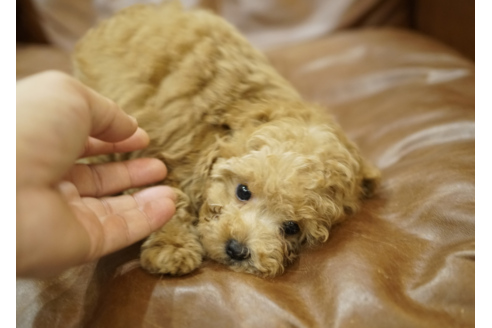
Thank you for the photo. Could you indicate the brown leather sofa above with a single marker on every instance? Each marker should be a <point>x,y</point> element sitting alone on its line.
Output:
<point>406,260</point>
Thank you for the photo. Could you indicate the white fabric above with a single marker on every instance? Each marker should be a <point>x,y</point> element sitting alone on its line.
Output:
<point>266,23</point>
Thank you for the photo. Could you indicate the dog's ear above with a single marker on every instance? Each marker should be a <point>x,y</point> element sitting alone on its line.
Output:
<point>205,164</point>
<point>371,177</point>
<point>315,232</point>
<point>197,180</point>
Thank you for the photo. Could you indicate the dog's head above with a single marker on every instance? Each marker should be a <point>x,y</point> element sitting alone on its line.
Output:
<point>281,186</point>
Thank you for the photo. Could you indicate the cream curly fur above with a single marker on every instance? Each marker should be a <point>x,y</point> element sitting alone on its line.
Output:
<point>219,115</point>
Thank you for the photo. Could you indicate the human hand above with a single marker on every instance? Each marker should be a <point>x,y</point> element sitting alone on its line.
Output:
<point>62,217</point>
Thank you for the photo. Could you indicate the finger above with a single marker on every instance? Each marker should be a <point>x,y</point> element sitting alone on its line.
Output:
<point>124,229</point>
<point>108,121</point>
<point>114,205</point>
<point>68,191</point>
<point>98,180</point>
<point>129,221</point>
<point>75,107</point>
<point>93,146</point>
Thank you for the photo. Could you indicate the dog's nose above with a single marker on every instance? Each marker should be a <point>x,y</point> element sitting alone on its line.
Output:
<point>236,250</point>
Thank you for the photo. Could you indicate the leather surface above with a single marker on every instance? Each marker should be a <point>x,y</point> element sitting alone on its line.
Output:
<point>406,260</point>
<point>452,22</point>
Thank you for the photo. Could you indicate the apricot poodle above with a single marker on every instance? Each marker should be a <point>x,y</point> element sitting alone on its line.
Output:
<point>259,172</point>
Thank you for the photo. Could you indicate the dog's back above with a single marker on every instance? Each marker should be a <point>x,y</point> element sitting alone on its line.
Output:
<point>187,76</point>
<point>159,55</point>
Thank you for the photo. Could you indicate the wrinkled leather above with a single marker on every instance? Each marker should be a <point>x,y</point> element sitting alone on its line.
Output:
<point>406,260</point>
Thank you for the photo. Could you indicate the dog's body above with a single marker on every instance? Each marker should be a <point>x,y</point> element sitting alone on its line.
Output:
<point>258,172</point>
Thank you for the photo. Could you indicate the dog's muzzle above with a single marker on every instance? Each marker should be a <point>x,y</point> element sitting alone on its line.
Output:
<point>236,250</point>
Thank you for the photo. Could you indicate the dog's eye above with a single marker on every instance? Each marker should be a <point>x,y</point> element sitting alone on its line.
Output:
<point>243,193</point>
<point>290,228</point>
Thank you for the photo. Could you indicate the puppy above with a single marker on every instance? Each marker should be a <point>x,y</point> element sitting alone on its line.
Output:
<point>259,173</point>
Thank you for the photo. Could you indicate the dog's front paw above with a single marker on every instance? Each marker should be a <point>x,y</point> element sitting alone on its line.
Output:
<point>175,260</point>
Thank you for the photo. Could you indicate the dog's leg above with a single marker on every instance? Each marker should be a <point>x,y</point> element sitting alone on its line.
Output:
<point>175,248</point>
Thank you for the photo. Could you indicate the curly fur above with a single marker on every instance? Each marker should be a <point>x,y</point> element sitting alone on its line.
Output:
<point>219,115</point>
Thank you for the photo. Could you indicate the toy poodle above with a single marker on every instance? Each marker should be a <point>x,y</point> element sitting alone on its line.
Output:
<point>259,173</point>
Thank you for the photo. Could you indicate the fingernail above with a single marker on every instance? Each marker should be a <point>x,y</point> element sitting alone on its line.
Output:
<point>158,203</point>
<point>159,211</point>
<point>134,119</point>
<point>155,193</point>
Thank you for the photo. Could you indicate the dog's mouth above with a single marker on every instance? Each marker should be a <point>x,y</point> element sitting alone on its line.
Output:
<point>247,266</point>
<point>247,261</point>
